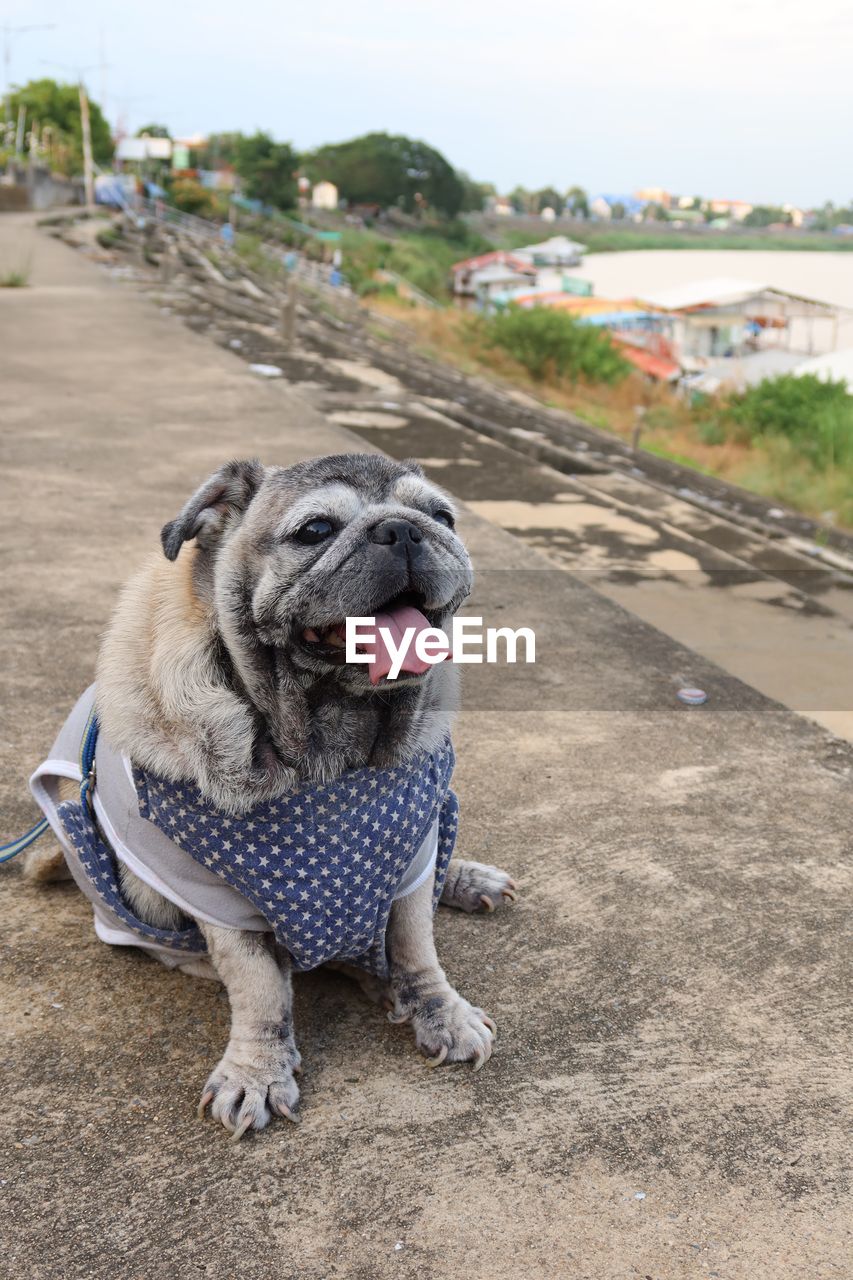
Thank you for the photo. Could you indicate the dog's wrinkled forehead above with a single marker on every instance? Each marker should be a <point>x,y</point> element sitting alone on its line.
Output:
<point>344,486</point>
<point>256,503</point>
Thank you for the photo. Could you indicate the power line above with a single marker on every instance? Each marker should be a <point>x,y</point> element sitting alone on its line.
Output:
<point>9,34</point>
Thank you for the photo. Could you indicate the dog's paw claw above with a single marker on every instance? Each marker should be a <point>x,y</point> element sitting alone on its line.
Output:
<point>475,886</point>
<point>454,1032</point>
<point>245,1124</point>
<point>243,1097</point>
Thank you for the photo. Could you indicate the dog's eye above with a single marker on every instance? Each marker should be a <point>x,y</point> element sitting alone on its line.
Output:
<point>444,517</point>
<point>314,531</point>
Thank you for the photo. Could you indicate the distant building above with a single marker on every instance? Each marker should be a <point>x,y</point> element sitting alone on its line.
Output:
<point>144,148</point>
<point>559,251</point>
<point>602,206</point>
<point>735,209</point>
<point>193,143</point>
<point>548,214</point>
<point>714,323</point>
<point>497,278</point>
<point>836,366</point>
<point>501,205</point>
<point>224,179</point>
<point>468,273</point>
<point>324,195</point>
<point>798,216</point>
<point>654,195</point>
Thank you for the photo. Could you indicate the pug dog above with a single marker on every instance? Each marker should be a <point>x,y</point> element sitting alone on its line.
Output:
<point>224,672</point>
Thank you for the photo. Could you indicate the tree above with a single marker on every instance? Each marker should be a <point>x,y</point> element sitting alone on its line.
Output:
<point>654,212</point>
<point>268,169</point>
<point>522,200</point>
<point>764,214</point>
<point>220,149</point>
<point>389,169</point>
<point>617,210</point>
<point>57,106</point>
<point>153,131</point>
<point>474,194</point>
<point>548,198</point>
<point>577,202</point>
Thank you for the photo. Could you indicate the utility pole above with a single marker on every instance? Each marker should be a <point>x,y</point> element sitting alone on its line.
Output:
<point>88,172</point>
<point>288,313</point>
<point>19,132</point>
<point>86,131</point>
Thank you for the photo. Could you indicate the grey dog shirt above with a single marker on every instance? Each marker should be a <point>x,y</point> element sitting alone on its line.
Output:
<point>143,847</point>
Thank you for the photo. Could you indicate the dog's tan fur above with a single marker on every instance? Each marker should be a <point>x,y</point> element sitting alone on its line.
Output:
<point>157,687</point>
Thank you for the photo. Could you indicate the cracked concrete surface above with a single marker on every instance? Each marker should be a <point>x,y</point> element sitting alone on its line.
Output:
<point>669,1095</point>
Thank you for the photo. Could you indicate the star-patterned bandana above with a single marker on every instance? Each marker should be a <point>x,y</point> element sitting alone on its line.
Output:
<point>321,865</point>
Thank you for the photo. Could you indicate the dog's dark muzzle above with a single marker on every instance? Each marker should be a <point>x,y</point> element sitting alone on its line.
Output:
<point>399,537</point>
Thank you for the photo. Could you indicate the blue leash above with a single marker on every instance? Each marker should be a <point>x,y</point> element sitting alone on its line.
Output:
<point>87,768</point>
<point>23,842</point>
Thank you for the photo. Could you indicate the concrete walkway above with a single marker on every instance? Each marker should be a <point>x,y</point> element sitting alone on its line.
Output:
<point>667,1094</point>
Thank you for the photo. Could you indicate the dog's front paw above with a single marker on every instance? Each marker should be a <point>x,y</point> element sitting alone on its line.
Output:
<point>246,1090</point>
<point>447,1028</point>
<point>475,886</point>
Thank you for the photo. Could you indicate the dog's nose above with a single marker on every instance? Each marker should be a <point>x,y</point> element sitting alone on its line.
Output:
<point>399,534</point>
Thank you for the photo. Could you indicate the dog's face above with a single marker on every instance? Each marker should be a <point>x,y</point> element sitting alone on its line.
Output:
<point>292,552</point>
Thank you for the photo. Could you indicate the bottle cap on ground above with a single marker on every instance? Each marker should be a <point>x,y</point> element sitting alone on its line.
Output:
<point>692,697</point>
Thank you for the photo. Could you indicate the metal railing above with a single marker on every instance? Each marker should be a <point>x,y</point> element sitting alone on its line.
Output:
<point>190,223</point>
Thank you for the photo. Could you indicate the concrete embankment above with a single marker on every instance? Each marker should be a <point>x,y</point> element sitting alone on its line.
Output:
<point>667,1096</point>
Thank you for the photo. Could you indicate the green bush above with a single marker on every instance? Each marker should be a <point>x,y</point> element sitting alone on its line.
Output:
<point>552,343</point>
<point>816,417</point>
<point>710,429</point>
<point>191,197</point>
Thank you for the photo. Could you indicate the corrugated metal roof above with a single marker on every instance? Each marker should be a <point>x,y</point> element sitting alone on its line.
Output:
<point>647,362</point>
<point>496,255</point>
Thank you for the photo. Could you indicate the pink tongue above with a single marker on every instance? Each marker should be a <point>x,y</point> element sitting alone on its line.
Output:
<point>396,622</point>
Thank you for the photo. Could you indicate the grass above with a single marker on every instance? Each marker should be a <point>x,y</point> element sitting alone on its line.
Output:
<point>109,237</point>
<point>15,277</point>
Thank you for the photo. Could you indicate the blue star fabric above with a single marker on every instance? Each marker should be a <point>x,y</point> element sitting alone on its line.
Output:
<point>322,865</point>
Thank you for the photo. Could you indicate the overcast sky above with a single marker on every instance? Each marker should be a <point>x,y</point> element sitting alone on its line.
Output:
<point>737,98</point>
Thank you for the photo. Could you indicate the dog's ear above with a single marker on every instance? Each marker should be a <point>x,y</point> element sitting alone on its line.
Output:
<point>225,495</point>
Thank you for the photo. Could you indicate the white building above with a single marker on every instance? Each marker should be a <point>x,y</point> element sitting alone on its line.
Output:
<point>496,278</point>
<point>835,366</point>
<point>324,195</point>
<point>725,321</point>
<point>559,251</point>
<point>144,148</point>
